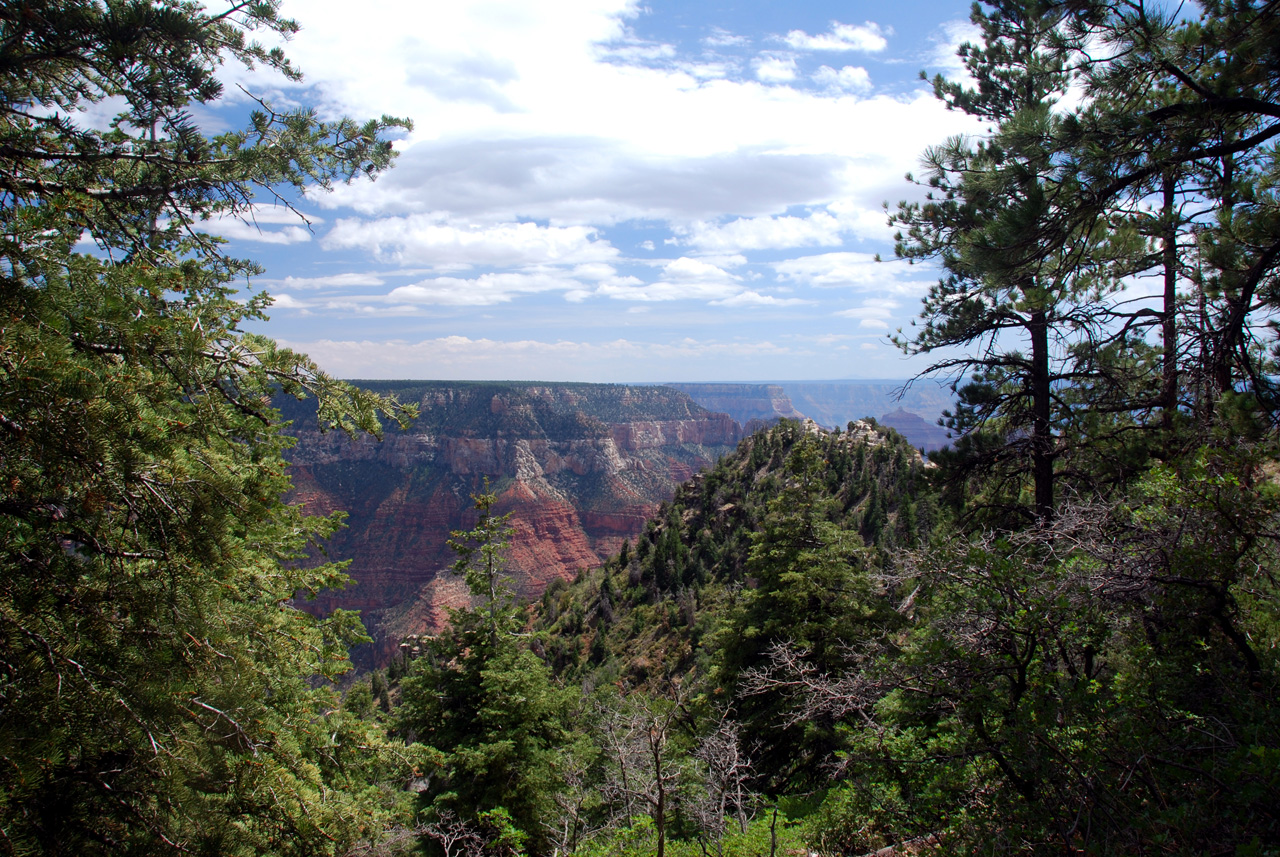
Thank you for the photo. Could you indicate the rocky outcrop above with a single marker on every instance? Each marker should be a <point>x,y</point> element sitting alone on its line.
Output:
<point>579,467</point>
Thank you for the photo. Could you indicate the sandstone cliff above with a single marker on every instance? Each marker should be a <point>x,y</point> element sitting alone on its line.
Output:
<point>581,467</point>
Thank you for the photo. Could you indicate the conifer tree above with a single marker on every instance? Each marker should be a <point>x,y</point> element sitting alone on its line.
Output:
<point>156,687</point>
<point>993,218</point>
<point>484,703</point>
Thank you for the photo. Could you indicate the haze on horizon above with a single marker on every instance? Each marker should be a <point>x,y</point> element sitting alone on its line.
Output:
<point>599,190</point>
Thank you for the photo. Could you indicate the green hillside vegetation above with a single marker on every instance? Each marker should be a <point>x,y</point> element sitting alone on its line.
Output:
<point>696,560</point>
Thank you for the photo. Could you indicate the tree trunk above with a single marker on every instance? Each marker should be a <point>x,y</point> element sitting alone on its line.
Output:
<point>1041,413</point>
<point>1169,396</point>
<point>660,805</point>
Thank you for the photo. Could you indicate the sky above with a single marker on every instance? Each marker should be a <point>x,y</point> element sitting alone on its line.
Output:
<point>603,190</point>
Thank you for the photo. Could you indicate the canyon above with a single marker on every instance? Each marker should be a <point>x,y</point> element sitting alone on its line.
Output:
<point>580,468</point>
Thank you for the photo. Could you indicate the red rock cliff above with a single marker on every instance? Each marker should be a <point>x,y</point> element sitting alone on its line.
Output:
<point>580,468</point>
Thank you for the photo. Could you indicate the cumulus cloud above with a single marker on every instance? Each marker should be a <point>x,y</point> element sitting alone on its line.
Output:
<point>484,290</point>
<point>288,302</point>
<point>689,270</point>
<point>774,69</point>
<point>474,76</point>
<point>234,229</point>
<point>681,279</point>
<point>868,37</point>
<point>946,42</point>
<point>758,233</point>
<point>848,79</point>
<point>590,181</point>
<point>850,270</point>
<point>549,136</point>
<point>424,239</point>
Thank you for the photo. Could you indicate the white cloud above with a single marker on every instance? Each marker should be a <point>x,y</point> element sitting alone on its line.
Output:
<point>848,79</point>
<point>683,279</point>
<point>853,270</point>
<point>550,135</point>
<point>485,290</point>
<point>721,38</point>
<point>758,233</point>
<point>750,298</point>
<point>592,181</point>
<point>637,51</point>
<point>238,230</point>
<point>250,227</point>
<point>467,358</point>
<point>332,281</point>
<point>868,37</point>
<point>424,239</point>
<point>288,302</point>
<point>689,270</point>
<point>774,69</point>
<point>665,290</point>
<point>498,139</point>
<point>946,41</point>
<point>872,310</point>
<point>279,214</point>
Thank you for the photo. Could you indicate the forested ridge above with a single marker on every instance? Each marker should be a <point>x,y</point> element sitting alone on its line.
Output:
<point>1059,636</point>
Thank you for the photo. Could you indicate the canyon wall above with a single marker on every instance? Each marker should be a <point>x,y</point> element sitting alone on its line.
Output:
<point>759,404</point>
<point>580,467</point>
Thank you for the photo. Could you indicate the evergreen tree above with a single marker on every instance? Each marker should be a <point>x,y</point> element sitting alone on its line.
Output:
<point>485,704</point>
<point>1015,267</point>
<point>158,691</point>
<point>814,594</point>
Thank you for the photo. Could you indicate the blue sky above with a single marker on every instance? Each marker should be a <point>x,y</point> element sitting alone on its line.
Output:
<point>597,190</point>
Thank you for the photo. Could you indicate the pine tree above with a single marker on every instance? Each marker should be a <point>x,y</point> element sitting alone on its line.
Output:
<point>156,687</point>
<point>484,703</point>
<point>1016,268</point>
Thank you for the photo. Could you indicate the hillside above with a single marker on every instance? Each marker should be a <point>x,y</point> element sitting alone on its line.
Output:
<point>661,606</point>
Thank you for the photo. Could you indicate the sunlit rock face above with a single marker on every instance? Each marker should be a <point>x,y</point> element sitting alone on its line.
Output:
<point>580,467</point>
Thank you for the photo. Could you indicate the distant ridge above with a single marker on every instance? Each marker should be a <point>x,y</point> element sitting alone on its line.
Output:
<point>913,410</point>
<point>580,467</point>
<point>745,403</point>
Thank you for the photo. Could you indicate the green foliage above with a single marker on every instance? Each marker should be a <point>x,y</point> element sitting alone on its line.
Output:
<point>479,554</point>
<point>764,836</point>
<point>159,692</point>
<point>488,706</point>
<point>664,610</point>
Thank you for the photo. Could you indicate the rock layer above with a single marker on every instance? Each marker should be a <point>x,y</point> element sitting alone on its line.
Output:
<point>580,467</point>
